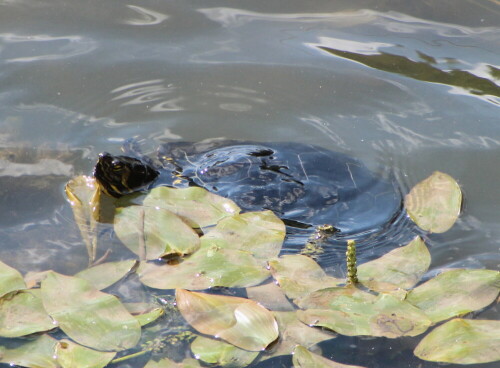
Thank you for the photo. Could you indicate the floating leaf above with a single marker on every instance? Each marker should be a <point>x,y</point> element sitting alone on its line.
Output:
<point>293,332</point>
<point>303,358</point>
<point>208,267</point>
<point>24,314</point>
<point>258,233</point>
<point>38,353</point>
<point>456,292</point>
<point>145,313</point>
<point>385,316</point>
<point>71,355</point>
<point>10,279</point>
<point>271,296</point>
<point>434,203</point>
<point>167,363</point>
<point>299,275</point>
<point>106,274</point>
<point>335,298</point>
<point>153,232</point>
<point>33,279</point>
<point>401,268</point>
<point>462,341</point>
<point>239,321</point>
<point>90,317</point>
<point>221,353</point>
<point>197,206</point>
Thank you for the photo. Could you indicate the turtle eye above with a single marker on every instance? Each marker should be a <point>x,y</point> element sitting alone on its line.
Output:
<point>117,166</point>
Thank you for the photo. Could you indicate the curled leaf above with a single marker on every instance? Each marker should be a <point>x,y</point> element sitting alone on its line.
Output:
<point>239,321</point>
<point>434,203</point>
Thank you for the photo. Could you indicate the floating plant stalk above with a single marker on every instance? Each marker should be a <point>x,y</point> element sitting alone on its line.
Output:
<point>352,271</point>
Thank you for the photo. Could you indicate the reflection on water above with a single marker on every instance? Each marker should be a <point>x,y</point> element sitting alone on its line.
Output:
<point>388,82</point>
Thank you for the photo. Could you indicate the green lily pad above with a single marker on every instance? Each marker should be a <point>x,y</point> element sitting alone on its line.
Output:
<point>167,363</point>
<point>153,232</point>
<point>10,279</point>
<point>456,292</point>
<point>23,314</point>
<point>71,355</point>
<point>434,203</point>
<point>258,233</point>
<point>303,358</point>
<point>385,316</point>
<point>401,268</point>
<point>462,341</point>
<point>197,206</point>
<point>221,353</point>
<point>335,298</point>
<point>239,321</point>
<point>145,313</point>
<point>299,275</point>
<point>87,315</point>
<point>106,274</point>
<point>38,353</point>
<point>206,268</point>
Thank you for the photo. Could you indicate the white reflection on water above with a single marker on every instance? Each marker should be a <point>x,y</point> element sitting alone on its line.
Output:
<point>43,47</point>
<point>148,17</point>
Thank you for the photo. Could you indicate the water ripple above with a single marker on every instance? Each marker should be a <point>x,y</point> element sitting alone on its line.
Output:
<point>148,17</point>
<point>43,47</point>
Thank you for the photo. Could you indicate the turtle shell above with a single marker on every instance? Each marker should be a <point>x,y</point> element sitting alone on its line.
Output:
<point>305,185</point>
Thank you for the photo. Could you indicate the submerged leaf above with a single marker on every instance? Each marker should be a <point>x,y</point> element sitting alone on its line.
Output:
<point>38,353</point>
<point>221,353</point>
<point>462,341</point>
<point>239,321</point>
<point>10,279</point>
<point>434,203</point>
<point>456,292</point>
<point>299,275</point>
<point>303,358</point>
<point>400,268</point>
<point>90,317</point>
<point>106,274</point>
<point>71,355</point>
<point>24,314</point>
<point>145,313</point>
<point>152,232</point>
<point>197,206</point>
<point>356,315</point>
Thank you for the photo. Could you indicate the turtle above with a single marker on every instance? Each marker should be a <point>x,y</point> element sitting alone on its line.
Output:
<point>306,185</point>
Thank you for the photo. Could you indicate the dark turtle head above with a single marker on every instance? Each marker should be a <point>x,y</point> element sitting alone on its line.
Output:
<point>120,175</point>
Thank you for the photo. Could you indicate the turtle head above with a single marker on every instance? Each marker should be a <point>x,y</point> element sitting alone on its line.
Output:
<point>120,175</point>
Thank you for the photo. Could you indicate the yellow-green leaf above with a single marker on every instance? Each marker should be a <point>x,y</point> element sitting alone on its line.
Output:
<point>153,232</point>
<point>10,279</point>
<point>221,353</point>
<point>299,275</point>
<point>239,321</point>
<point>167,363</point>
<point>87,315</point>
<point>462,341</point>
<point>145,313</point>
<point>106,274</point>
<point>23,314</point>
<point>71,355</point>
<point>400,268</point>
<point>385,316</point>
<point>197,206</point>
<point>38,353</point>
<point>303,358</point>
<point>456,292</point>
<point>434,203</point>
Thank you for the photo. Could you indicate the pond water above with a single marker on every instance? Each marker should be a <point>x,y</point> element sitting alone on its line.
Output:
<point>406,87</point>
